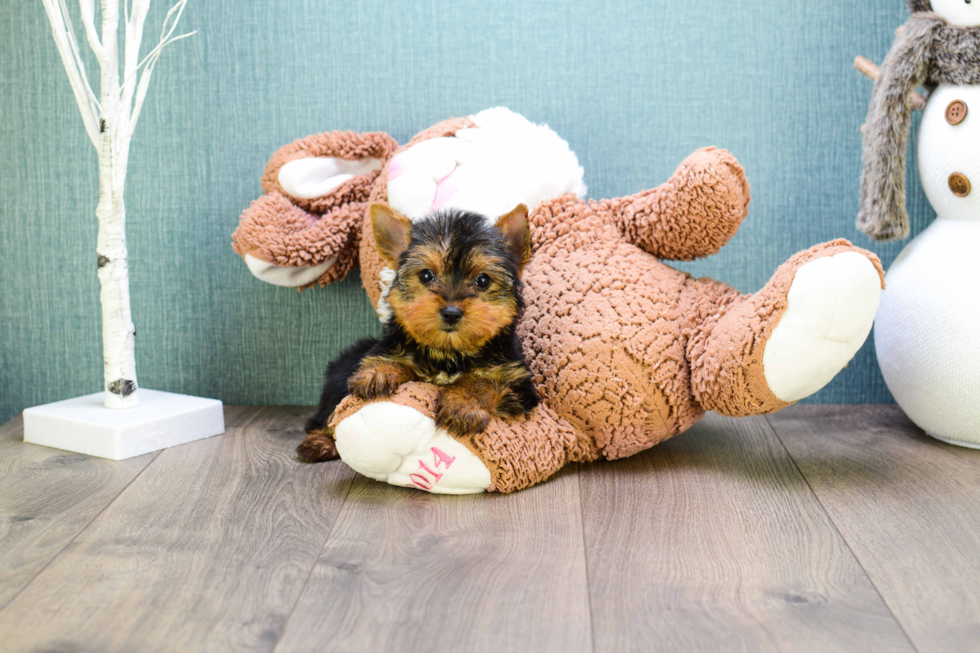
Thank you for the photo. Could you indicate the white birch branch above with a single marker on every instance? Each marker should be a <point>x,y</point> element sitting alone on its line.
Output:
<point>110,121</point>
<point>70,29</point>
<point>84,96</point>
<point>88,20</point>
<point>145,79</point>
<point>149,61</point>
<point>134,40</point>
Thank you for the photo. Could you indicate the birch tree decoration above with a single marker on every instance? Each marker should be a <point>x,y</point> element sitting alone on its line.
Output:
<point>110,120</point>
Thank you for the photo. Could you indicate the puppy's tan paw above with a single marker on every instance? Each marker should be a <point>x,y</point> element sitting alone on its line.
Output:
<point>459,415</point>
<point>377,379</point>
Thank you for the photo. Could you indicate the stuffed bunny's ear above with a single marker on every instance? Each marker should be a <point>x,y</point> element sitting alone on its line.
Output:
<point>391,232</point>
<point>515,228</point>
<point>315,176</point>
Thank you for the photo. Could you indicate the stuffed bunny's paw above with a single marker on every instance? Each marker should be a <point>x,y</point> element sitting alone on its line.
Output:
<point>831,306</point>
<point>401,446</point>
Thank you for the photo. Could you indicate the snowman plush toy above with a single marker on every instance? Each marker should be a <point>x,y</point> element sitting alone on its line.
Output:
<point>927,331</point>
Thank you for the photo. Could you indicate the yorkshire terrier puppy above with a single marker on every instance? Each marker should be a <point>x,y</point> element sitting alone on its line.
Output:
<point>455,301</point>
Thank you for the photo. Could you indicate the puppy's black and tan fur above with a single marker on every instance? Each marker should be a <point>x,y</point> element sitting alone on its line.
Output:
<point>455,301</point>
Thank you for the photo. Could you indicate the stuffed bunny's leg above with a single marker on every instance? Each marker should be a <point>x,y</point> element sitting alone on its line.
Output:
<point>754,354</point>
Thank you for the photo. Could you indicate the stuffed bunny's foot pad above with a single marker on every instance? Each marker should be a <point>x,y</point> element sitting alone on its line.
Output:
<point>831,306</point>
<point>399,445</point>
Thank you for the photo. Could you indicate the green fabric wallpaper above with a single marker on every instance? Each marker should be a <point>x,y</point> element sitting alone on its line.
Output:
<point>634,86</point>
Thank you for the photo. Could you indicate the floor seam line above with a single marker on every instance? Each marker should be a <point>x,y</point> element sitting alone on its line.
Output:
<point>156,456</point>
<point>841,535</point>
<point>585,556</point>
<point>306,581</point>
<point>80,531</point>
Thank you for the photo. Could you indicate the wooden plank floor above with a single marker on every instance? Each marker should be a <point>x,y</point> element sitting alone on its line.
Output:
<point>716,543</point>
<point>47,496</point>
<point>821,528</point>
<point>908,506</point>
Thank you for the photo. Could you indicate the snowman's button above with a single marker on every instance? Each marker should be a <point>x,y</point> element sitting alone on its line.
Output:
<point>959,184</point>
<point>956,112</point>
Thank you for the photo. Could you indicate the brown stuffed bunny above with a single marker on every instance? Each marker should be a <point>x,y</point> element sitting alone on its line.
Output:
<point>626,351</point>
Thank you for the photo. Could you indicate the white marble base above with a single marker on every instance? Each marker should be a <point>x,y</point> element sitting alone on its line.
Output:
<point>85,425</point>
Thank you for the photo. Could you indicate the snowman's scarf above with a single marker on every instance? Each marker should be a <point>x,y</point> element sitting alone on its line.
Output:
<point>928,52</point>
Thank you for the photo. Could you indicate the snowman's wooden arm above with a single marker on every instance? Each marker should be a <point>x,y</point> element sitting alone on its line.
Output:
<point>871,70</point>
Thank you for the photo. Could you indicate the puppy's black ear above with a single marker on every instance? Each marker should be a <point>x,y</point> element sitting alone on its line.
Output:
<point>518,234</point>
<point>391,231</point>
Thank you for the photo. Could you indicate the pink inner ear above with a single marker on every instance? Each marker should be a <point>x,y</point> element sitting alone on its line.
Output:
<point>445,189</point>
<point>396,166</point>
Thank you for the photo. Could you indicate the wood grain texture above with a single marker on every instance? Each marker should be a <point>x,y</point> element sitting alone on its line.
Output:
<point>407,571</point>
<point>907,505</point>
<point>208,550</point>
<point>712,541</point>
<point>47,496</point>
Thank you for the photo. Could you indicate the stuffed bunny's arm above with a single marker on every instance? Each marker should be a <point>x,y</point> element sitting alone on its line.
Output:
<point>690,216</point>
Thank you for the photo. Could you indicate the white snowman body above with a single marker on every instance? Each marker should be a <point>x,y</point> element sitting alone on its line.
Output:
<point>927,332</point>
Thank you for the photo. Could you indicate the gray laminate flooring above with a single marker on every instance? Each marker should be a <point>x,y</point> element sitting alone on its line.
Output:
<point>820,528</point>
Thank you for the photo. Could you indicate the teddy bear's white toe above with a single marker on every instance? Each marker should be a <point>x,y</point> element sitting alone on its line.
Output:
<point>400,446</point>
<point>832,305</point>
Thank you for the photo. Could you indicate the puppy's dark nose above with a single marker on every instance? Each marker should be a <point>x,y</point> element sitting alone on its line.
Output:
<point>451,314</point>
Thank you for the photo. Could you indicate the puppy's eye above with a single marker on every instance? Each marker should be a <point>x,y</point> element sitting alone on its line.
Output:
<point>483,281</point>
<point>426,276</point>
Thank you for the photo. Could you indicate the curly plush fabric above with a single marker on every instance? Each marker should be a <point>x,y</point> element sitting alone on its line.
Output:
<point>348,145</point>
<point>691,216</point>
<point>519,453</point>
<point>278,231</point>
<point>297,232</point>
<point>927,52</point>
<point>626,351</point>
<point>726,356</point>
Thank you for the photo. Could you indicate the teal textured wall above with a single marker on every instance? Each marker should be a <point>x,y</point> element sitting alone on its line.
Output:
<point>633,86</point>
